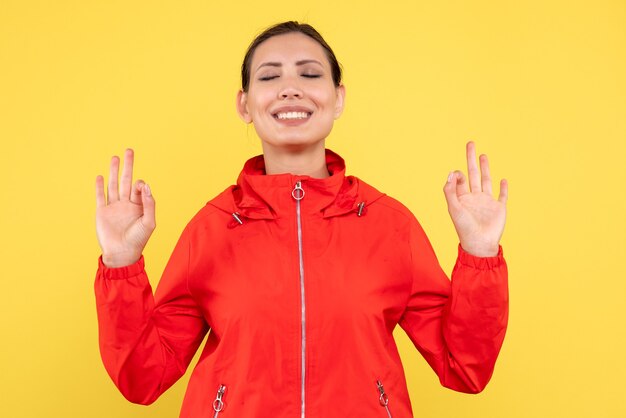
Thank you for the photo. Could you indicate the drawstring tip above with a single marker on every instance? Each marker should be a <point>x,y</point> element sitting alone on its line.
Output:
<point>360,207</point>
<point>237,218</point>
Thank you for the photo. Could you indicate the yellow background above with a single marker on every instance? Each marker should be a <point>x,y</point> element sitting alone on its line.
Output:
<point>539,85</point>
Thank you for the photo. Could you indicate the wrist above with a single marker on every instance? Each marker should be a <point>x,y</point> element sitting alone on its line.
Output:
<point>485,250</point>
<point>119,260</point>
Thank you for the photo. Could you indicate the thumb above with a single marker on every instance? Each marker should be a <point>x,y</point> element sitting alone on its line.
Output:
<point>148,219</point>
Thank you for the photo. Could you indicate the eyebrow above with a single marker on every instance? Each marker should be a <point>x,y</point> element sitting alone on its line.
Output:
<point>278,64</point>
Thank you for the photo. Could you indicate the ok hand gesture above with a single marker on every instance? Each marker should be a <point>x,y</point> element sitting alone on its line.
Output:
<point>124,221</point>
<point>478,218</point>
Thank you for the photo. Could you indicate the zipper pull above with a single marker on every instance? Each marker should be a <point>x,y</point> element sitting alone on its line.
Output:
<point>298,192</point>
<point>383,399</point>
<point>218,404</point>
<point>383,396</point>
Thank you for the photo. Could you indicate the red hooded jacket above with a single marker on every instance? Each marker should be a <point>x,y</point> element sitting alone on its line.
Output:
<point>301,282</point>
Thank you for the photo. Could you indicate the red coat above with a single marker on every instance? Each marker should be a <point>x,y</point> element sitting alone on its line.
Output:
<point>301,298</point>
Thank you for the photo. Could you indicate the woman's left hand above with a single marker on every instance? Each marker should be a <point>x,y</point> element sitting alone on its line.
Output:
<point>478,218</point>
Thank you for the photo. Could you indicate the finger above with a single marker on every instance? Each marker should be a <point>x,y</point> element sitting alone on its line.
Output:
<point>135,194</point>
<point>450,191</point>
<point>461,183</point>
<point>126,180</point>
<point>504,191</point>
<point>472,168</point>
<point>148,219</point>
<point>485,176</point>
<point>100,199</point>
<point>112,192</point>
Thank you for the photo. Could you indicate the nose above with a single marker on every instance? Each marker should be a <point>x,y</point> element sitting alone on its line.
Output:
<point>290,89</point>
<point>289,92</point>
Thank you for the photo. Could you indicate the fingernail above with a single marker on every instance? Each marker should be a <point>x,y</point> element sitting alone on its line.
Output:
<point>450,176</point>
<point>148,191</point>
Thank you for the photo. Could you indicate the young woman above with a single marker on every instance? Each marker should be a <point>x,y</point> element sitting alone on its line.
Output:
<point>299,272</point>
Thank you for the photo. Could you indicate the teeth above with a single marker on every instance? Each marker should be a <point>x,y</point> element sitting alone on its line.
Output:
<point>292,115</point>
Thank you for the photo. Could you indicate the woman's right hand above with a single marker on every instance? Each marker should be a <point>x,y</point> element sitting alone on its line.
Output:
<point>124,221</point>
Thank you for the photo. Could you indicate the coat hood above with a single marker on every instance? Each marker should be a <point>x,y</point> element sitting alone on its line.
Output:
<point>263,196</point>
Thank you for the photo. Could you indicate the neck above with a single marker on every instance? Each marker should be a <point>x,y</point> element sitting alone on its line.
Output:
<point>305,160</point>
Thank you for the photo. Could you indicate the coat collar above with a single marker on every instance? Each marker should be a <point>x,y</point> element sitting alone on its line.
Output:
<point>262,196</point>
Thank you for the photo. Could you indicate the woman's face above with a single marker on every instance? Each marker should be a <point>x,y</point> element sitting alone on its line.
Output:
<point>291,99</point>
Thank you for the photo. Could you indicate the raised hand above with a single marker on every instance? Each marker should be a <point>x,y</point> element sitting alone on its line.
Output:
<point>124,221</point>
<point>478,218</point>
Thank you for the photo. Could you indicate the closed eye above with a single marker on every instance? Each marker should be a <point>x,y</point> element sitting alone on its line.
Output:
<point>311,75</point>
<point>267,78</point>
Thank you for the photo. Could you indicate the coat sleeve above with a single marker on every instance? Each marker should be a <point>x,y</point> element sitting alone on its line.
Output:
<point>458,325</point>
<point>146,341</point>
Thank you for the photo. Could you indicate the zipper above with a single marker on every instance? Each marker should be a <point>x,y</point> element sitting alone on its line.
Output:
<point>218,403</point>
<point>298,194</point>
<point>383,399</point>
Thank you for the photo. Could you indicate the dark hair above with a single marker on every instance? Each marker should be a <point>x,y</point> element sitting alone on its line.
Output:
<point>281,29</point>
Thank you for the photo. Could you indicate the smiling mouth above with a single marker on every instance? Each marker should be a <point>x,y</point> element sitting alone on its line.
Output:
<point>293,115</point>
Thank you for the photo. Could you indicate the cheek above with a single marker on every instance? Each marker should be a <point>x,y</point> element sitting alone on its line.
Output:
<point>325,99</point>
<point>259,101</point>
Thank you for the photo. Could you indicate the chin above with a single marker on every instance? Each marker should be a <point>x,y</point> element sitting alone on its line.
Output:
<point>293,142</point>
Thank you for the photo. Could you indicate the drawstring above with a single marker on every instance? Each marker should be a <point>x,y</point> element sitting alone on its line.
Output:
<point>360,211</point>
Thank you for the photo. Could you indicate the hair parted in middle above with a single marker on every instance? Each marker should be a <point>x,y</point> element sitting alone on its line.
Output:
<point>282,29</point>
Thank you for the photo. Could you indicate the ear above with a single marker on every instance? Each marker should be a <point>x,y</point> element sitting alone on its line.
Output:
<point>341,99</point>
<point>242,106</point>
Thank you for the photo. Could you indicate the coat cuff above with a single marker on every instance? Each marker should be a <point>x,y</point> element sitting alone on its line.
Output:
<point>480,263</point>
<point>120,273</point>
